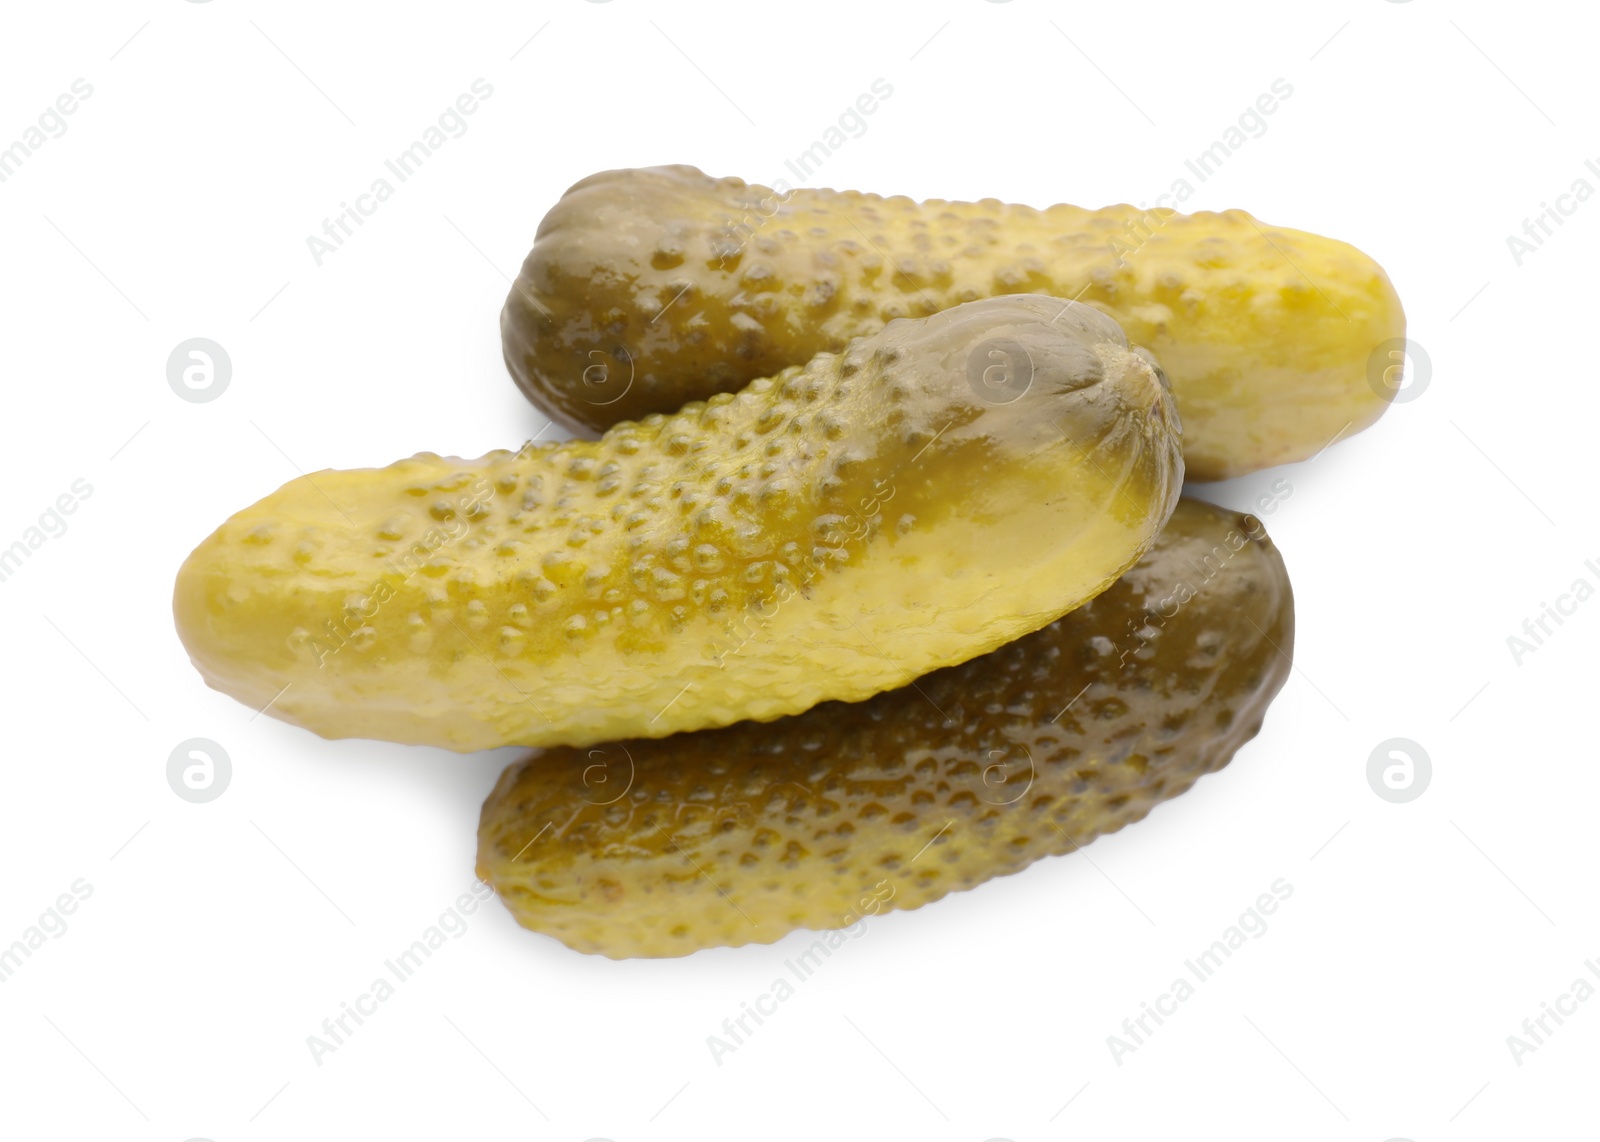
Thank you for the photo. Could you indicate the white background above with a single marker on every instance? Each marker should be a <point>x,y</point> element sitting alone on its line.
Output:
<point>219,936</point>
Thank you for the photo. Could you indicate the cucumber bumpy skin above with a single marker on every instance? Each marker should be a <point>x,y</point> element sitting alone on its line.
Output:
<point>832,532</point>
<point>743,834</point>
<point>649,288</point>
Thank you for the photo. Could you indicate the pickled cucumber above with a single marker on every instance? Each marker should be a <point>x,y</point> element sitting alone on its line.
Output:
<point>743,834</point>
<point>844,527</point>
<point>649,288</point>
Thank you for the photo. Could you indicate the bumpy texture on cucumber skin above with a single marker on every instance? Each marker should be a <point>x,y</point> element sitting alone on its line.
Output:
<point>648,288</point>
<point>743,834</point>
<point>832,532</point>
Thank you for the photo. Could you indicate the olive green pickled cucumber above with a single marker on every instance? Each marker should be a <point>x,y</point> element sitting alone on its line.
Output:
<point>829,533</point>
<point>743,834</point>
<point>648,288</point>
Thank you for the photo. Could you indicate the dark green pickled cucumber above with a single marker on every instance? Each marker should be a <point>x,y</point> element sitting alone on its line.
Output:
<point>648,288</point>
<point>740,835</point>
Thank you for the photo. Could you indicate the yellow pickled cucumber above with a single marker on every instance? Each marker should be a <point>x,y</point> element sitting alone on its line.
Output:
<point>837,530</point>
<point>743,834</point>
<point>649,288</point>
